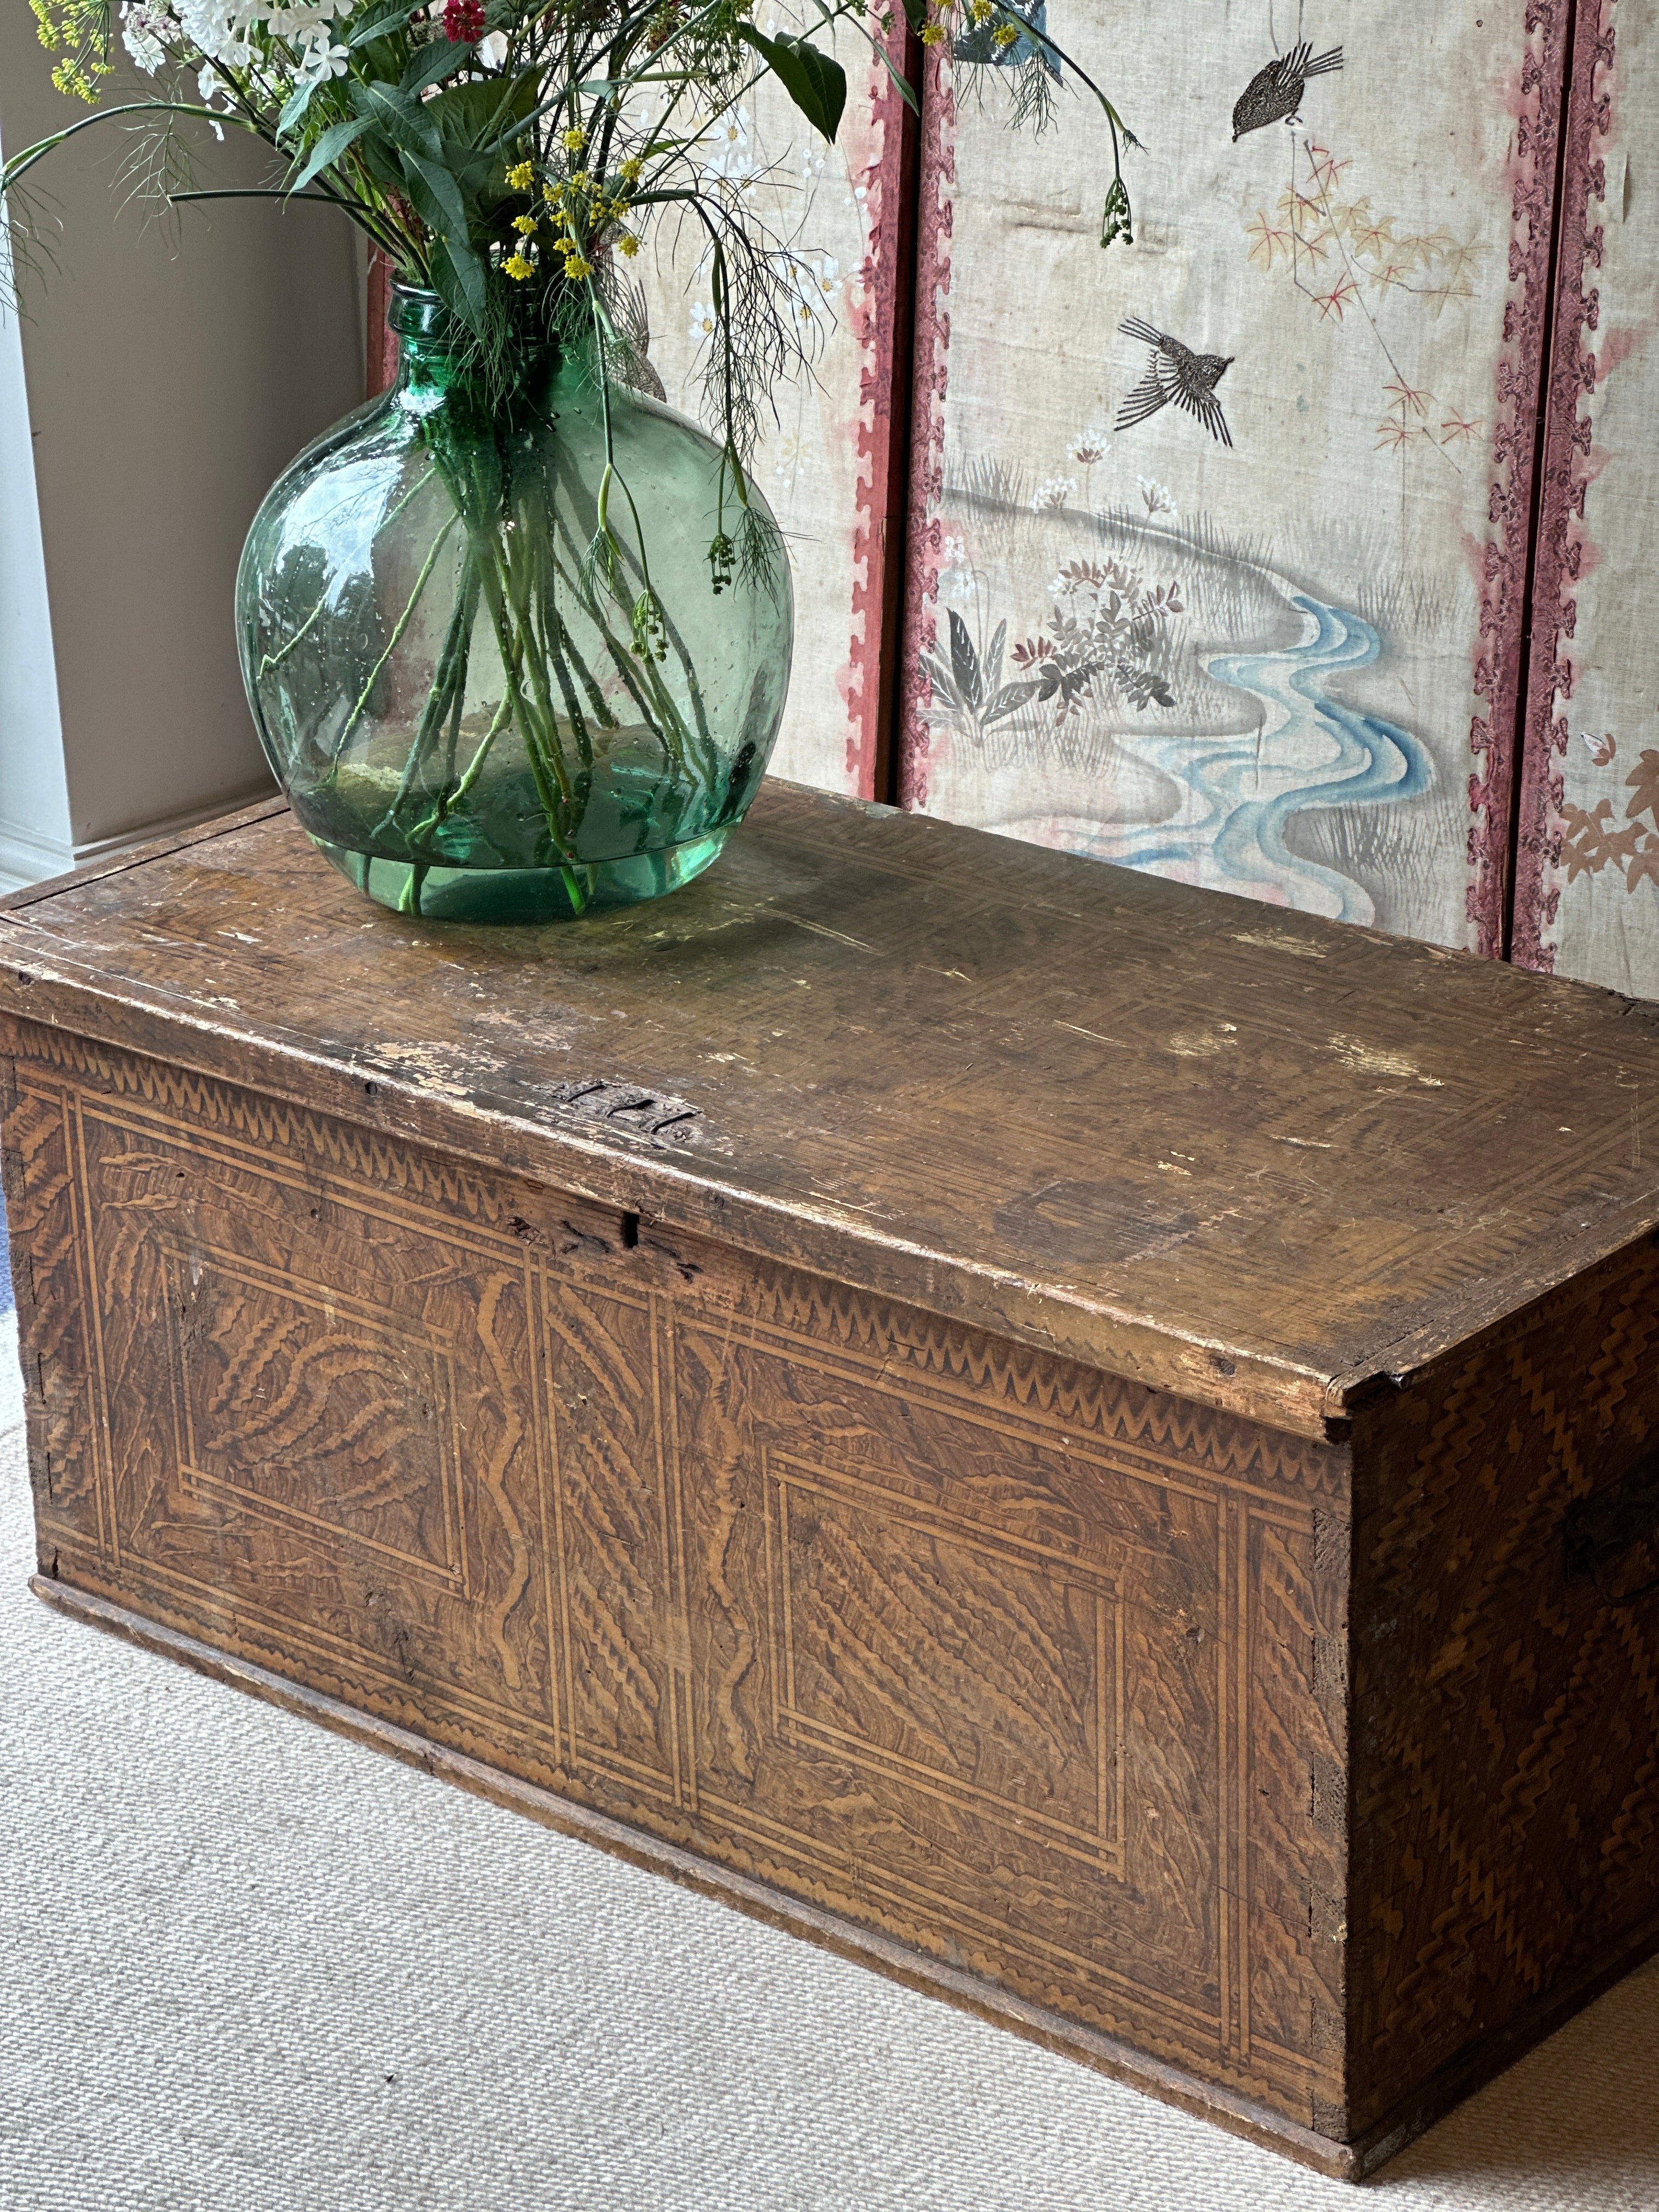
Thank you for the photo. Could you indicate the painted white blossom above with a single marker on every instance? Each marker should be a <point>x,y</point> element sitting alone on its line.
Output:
<point>731,159</point>
<point>956,572</point>
<point>1158,497</point>
<point>703,322</point>
<point>1052,494</point>
<point>811,283</point>
<point>1089,446</point>
<point>144,28</point>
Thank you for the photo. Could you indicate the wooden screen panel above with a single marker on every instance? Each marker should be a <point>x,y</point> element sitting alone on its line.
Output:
<point>1288,667</point>
<point>1587,889</point>
<point>1013,1664</point>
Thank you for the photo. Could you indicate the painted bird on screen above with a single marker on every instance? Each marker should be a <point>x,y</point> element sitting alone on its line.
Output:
<point>1273,94</point>
<point>1177,372</point>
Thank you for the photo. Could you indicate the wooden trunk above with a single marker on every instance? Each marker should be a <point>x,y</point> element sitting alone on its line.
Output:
<point>1086,1443</point>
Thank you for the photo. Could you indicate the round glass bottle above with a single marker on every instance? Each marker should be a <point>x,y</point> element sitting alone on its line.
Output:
<point>498,651</point>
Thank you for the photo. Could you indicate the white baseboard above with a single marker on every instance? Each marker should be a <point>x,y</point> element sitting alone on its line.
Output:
<point>27,859</point>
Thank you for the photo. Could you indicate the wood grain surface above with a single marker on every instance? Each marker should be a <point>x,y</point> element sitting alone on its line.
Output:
<point>1009,1662</point>
<point>641,1361</point>
<point>1254,1158</point>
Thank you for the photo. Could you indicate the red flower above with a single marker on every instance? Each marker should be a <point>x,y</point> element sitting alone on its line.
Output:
<point>464,19</point>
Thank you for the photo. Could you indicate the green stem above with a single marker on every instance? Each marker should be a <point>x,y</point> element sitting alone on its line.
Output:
<point>449,684</point>
<point>393,643</point>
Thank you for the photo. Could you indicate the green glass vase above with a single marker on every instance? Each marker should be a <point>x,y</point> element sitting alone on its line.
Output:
<point>491,660</point>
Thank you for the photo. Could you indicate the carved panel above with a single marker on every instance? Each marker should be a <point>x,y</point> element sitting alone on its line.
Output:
<point>1019,1724</point>
<point>310,1409</point>
<point>1012,1664</point>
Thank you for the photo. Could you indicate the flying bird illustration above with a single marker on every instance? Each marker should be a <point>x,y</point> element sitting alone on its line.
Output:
<point>1275,94</point>
<point>1177,372</point>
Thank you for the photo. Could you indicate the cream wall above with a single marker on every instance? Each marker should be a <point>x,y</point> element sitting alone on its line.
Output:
<point>168,375</point>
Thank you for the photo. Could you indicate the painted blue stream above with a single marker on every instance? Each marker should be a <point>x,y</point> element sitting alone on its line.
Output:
<point>1239,793</point>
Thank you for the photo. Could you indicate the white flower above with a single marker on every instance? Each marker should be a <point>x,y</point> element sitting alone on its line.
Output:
<point>212,28</point>
<point>1157,495</point>
<point>953,554</point>
<point>292,20</point>
<point>703,322</point>
<point>320,59</point>
<point>1089,446</point>
<point>1052,494</point>
<point>144,28</point>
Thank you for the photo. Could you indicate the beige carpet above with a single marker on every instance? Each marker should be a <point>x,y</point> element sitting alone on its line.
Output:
<point>245,1965</point>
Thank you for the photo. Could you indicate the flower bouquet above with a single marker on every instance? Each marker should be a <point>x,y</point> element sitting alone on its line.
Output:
<point>516,637</point>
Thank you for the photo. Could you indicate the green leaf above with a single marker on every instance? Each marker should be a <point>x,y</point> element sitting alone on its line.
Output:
<point>816,84</point>
<point>458,277</point>
<point>295,106</point>
<point>328,148</point>
<point>402,119</point>
<point>434,62</point>
<point>379,26</point>
<point>477,114</point>
<point>436,195</point>
<point>1118,220</point>
<point>916,15</point>
<point>906,90</point>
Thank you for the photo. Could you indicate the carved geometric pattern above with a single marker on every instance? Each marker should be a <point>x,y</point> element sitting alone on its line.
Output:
<point>1006,1661</point>
<point>851,1602</point>
<point>309,1408</point>
<point>1511,1718</point>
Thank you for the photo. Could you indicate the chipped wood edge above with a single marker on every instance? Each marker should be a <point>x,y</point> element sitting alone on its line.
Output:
<point>1172,2085</point>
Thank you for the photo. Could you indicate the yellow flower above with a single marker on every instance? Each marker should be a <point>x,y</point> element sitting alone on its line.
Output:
<point>525,223</point>
<point>574,141</point>
<point>575,269</point>
<point>517,266</point>
<point>931,34</point>
<point>628,244</point>
<point>580,181</point>
<point>979,10</point>
<point>520,176</point>
<point>1005,34</point>
<point>552,194</point>
<point>633,169</point>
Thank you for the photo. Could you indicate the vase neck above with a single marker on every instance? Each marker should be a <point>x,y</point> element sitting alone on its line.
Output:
<point>436,354</point>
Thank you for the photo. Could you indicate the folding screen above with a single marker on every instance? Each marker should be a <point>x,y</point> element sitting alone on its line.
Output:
<point>1587,889</point>
<point>832,464</point>
<point>1218,540</point>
